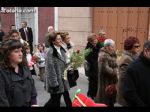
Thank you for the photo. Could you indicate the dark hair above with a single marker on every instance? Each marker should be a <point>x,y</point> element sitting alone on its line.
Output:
<point>52,36</point>
<point>91,38</point>
<point>63,35</point>
<point>13,31</point>
<point>41,45</point>
<point>147,45</point>
<point>129,42</point>
<point>7,47</point>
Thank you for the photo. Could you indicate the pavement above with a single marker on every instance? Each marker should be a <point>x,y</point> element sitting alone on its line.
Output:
<point>43,96</point>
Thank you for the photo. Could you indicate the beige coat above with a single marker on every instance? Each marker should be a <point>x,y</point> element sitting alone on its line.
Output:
<point>124,62</point>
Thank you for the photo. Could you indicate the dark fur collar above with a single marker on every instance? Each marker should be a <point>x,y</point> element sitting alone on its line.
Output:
<point>55,53</point>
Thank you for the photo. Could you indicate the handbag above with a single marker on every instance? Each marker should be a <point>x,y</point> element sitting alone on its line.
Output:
<point>72,76</point>
<point>111,90</point>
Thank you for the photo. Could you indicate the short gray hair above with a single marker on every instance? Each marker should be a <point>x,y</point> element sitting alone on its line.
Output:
<point>50,27</point>
<point>109,42</point>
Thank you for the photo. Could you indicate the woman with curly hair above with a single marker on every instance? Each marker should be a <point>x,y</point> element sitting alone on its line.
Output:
<point>131,51</point>
<point>14,34</point>
<point>16,83</point>
<point>56,84</point>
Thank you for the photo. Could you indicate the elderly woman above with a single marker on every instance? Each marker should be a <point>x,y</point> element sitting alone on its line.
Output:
<point>55,66</point>
<point>131,51</point>
<point>107,75</point>
<point>16,83</point>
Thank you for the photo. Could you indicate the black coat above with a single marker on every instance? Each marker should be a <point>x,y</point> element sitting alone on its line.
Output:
<point>29,33</point>
<point>92,59</point>
<point>1,36</point>
<point>136,89</point>
<point>17,89</point>
<point>92,72</point>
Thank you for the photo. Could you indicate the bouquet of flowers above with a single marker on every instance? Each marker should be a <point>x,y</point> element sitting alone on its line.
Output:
<point>77,60</point>
<point>78,57</point>
<point>101,38</point>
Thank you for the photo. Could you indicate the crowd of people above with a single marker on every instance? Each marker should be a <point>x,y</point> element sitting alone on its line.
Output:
<point>115,78</point>
<point>112,78</point>
<point>18,60</point>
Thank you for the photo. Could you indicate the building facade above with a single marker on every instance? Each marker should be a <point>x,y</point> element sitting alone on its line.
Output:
<point>38,18</point>
<point>118,22</point>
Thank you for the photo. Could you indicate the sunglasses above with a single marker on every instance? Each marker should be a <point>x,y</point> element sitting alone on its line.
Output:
<point>137,46</point>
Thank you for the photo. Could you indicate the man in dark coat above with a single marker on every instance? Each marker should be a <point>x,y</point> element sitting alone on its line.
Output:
<point>27,35</point>
<point>136,89</point>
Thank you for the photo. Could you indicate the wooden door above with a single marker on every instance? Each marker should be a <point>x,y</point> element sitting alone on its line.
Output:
<point>122,22</point>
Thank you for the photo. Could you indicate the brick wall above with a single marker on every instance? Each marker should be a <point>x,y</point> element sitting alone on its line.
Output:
<point>46,18</point>
<point>7,19</point>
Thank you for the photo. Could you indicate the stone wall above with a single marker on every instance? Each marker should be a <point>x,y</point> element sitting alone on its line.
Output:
<point>78,22</point>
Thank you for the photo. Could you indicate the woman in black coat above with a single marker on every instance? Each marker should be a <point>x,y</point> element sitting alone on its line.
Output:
<point>92,60</point>
<point>16,83</point>
<point>14,34</point>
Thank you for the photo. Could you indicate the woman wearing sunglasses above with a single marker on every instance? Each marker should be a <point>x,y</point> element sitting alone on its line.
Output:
<point>130,53</point>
